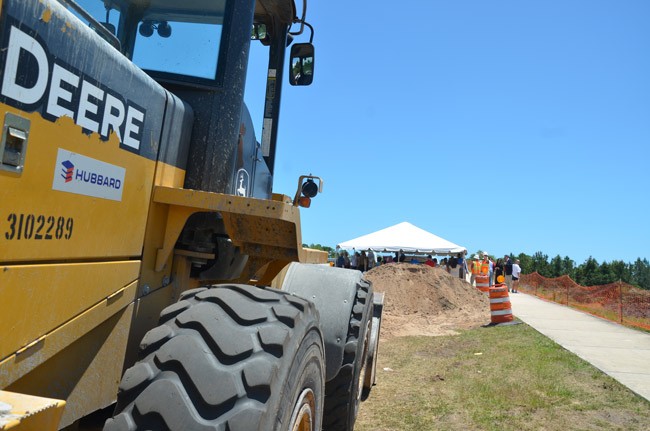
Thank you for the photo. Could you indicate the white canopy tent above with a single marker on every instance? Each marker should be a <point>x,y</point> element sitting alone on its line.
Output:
<point>406,237</point>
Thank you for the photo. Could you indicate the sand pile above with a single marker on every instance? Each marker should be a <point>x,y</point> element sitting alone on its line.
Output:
<point>420,300</point>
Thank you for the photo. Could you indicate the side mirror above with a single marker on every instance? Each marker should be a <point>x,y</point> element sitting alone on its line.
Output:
<point>301,64</point>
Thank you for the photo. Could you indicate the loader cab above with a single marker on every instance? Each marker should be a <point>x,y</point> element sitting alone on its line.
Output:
<point>199,50</point>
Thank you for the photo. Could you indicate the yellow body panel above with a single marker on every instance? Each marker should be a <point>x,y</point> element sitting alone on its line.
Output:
<point>22,363</point>
<point>38,222</point>
<point>36,299</point>
<point>86,373</point>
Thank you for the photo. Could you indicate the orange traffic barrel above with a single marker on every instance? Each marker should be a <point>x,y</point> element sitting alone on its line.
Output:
<point>482,283</point>
<point>500,307</point>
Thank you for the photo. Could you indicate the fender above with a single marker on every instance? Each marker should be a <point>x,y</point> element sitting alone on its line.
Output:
<point>332,290</point>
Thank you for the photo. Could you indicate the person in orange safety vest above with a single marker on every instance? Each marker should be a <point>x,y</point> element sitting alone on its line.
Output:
<point>485,265</point>
<point>475,269</point>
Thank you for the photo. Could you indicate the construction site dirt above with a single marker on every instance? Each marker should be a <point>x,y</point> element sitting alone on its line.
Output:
<point>421,300</point>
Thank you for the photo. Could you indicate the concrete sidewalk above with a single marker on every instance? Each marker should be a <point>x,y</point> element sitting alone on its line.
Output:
<point>620,352</point>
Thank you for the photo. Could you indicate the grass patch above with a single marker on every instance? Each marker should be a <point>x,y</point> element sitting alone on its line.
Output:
<point>498,378</point>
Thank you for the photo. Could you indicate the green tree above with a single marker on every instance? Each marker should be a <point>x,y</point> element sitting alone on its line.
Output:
<point>604,274</point>
<point>556,267</point>
<point>621,271</point>
<point>526,263</point>
<point>540,264</point>
<point>586,274</point>
<point>568,267</point>
<point>640,273</point>
<point>589,273</point>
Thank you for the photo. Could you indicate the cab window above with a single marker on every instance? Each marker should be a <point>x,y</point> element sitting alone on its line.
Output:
<point>189,49</point>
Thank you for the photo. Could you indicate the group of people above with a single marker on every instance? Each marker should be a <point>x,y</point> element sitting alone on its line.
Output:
<point>455,265</point>
<point>366,260</point>
<point>360,261</point>
<point>503,270</point>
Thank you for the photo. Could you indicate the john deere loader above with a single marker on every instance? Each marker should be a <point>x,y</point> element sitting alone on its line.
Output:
<point>150,277</point>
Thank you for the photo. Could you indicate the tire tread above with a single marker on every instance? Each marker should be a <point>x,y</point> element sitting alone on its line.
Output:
<point>341,392</point>
<point>214,358</point>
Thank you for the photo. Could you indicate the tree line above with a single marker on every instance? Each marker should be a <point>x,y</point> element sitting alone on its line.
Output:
<point>589,273</point>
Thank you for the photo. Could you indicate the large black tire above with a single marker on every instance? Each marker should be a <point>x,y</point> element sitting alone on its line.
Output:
<point>227,358</point>
<point>343,392</point>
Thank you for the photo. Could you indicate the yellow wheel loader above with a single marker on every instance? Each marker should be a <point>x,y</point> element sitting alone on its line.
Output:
<point>150,278</point>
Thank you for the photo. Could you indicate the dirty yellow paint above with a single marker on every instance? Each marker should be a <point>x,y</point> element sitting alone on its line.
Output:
<point>30,413</point>
<point>66,27</point>
<point>55,293</point>
<point>99,228</point>
<point>47,15</point>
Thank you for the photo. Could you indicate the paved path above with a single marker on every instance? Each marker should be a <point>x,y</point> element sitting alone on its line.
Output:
<point>618,351</point>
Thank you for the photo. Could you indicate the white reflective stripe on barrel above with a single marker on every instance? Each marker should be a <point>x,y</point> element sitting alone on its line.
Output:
<point>501,312</point>
<point>497,300</point>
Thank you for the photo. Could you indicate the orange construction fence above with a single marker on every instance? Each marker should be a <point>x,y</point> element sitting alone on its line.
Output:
<point>619,302</point>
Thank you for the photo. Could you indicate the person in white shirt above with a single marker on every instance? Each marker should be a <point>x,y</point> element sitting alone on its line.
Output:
<point>516,272</point>
<point>371,259</point>
<point>354,260</point>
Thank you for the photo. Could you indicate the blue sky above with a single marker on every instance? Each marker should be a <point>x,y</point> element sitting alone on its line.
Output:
<point>507,126</point>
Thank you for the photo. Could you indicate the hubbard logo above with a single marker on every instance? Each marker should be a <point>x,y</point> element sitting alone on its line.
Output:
<point>83,175</point>
<point>68,171</point>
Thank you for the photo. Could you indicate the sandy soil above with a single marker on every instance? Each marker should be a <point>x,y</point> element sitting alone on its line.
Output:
<point>420,300</point>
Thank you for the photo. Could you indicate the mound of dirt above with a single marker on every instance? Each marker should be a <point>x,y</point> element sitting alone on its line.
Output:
<point>420,300</point>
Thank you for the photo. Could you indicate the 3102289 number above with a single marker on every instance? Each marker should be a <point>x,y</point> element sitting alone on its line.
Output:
<point>38,227</point>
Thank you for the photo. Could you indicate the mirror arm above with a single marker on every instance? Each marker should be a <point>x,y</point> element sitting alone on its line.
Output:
<point>311,36</point>
<point>301,20</point>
